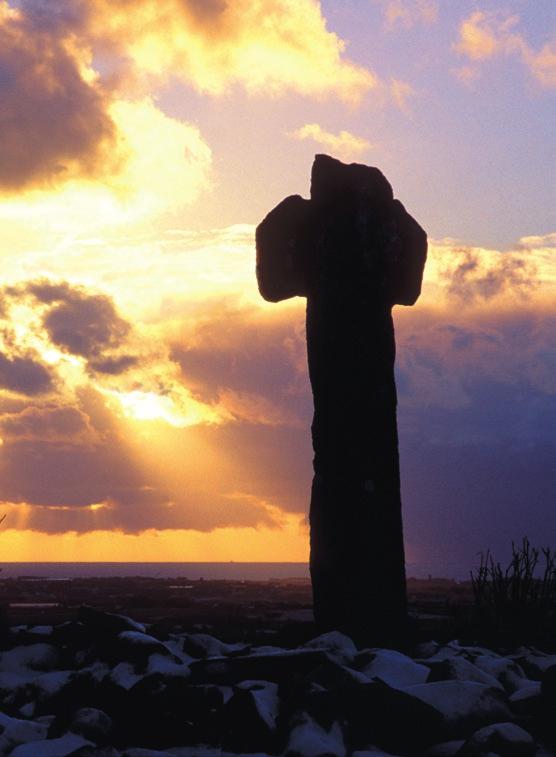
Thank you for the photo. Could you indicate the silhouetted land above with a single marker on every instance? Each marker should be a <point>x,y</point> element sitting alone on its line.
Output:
<point>229,609</point>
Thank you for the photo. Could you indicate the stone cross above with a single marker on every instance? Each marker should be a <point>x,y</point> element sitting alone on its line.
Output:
<point>353,251</point>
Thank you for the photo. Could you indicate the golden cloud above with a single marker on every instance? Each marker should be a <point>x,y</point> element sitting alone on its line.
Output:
<point>55,120</point>
<point>344,144</point>
<point>408,13</point>
<point>269,47</point>
<point>488,34</point>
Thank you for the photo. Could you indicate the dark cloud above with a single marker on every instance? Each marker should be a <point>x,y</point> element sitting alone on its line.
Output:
<point>113,366</point>
<point>24,375</point>
<point>82,323</point>
<point>50,422</point>
<point>468,280</point>
<point>55,124</point>
<point>237,349</point>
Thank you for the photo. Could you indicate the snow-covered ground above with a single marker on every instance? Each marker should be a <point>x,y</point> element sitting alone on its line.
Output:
<point>103,685</point>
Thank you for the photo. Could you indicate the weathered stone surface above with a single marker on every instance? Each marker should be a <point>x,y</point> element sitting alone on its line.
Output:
<point>463,705</point>
<point>507,739</point>
<point>309,739</point>
<point>107,622</point>
<point>250,718</point>
<point>92,724</point>
<point>338,645</point>
<point>203,645</point>
<point>507,672</point>
<point>460,669</point>
<point>267,667</point>
<point>353,251</point>
<point>393,719</point>
<point>394,668</point>
<point>527,700</point>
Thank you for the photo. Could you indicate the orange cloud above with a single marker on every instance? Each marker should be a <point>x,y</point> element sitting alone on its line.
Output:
<point>488,34</point>
<point>269,47</point>
<point>55,120</point>
<point>408,13</point>
<point>344,144</point>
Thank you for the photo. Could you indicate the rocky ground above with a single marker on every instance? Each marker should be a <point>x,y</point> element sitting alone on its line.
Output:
<point>103,684</point>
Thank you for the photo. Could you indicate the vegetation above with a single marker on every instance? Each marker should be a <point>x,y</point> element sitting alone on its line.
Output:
<point>518,602</point>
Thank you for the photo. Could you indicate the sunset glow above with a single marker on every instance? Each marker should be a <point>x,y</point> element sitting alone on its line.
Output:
<point>152,405</point>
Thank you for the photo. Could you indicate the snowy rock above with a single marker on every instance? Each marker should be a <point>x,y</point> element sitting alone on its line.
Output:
<point>527,700</point>
<point>535,664</point>
<point>250,718</point>
<point>29,660</point>
<point>444,749</point>
<point>464,705</point>
<point>91,723</point>
<point>394,668</point>
<point>389,717</point>
<point>203,645</point>
<point>62,747</point>
<point>460,669</point>
<point>507,672</point>
<point>15,732</point>
<point>338,645</point>
<point>309,739</point>
<point>506,739</point>
<point>269,667</point>
<point>124,675</point>
<point>41,630</point>
<point>107,622</point>
<point>136,647</point>
<point>548,684</point>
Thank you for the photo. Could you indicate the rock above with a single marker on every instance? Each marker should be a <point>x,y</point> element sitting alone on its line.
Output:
<point>535,664</point>
<point>268,667</point>
<point>389,717</point>
<point>29,660</point>
<point>460,669</point>
<point>506,739</point>
<point>160,712</point>
<point>107,622</point>
<point>463,705</point>
<point>63,747</point>
<point>91,723</point>
<point>548,685</point>
<point>508,672</point>
<point>136,647</point>
<point>15,732</point>
<point>308,739</point>
<point>203,645</point>
<point>96,751</point>
<point>394,668</point>
<point>444,749</point>
<point>250,718</point>
<point>339,646</point>
<point>527,700</point>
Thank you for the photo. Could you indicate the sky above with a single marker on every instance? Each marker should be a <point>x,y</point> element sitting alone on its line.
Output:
<point>152,405</point>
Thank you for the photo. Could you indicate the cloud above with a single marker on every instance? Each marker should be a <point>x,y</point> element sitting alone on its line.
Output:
<point>80,323</point>
<point>401,92</point>
<point>65,424</point>
<point>469,278</point>
<point>55,120</point>
<point>344,144</point>
<point>408,13</point>
<point>489,34</point>
<point>270,47</point>
<point>24,375</point>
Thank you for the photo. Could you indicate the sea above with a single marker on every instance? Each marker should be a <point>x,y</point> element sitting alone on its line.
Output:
<point>234,571</point>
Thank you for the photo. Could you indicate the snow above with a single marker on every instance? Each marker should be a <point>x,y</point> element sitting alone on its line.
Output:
<point>124,675</point>
<point>338,645</point>
<point>34,657</point>
<point>60,747</point>
<point>309,739</point>
<point>266,699</point>
<point>395,669</point>
<point>461,702</point>
<point>160,664</point>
